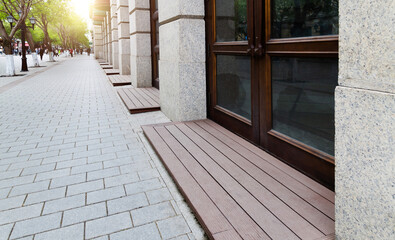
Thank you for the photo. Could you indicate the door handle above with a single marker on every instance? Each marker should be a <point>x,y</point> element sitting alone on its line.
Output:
<point>258,51</point>
<point>251,50</point>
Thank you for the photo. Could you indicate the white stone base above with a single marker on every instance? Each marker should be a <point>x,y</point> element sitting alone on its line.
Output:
<point>10,67</point>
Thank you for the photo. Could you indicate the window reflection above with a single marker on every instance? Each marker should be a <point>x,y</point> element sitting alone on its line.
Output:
<point>304,18</point>
<point>233,80</point>
<point>231,20</point>
<point>303,100</point>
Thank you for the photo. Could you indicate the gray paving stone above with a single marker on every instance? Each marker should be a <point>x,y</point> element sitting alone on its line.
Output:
<point>29,188</point>
<point>145,232</point>
<point>57,158</point>
<point>10,174</point>
<point>118,162</point>
<point>88,153</point>
<point>135,167</point>
<point>86,168</point>
<point>12,202</point>
<point>68,180</point>
<point>84,187</point>
<point>82,214</point>
<point>4,192</point>
<point>37,156</point>
<point>107,225</point>
<point>108,172</point>
<point>105,194</point>
<point>127,203</point>
<point>25,164</point>
<point>5,231</point>
<point>45,195</point>
<point>148,174</point>
<point>64,204</point>
<point>143,186</point>
<point>101,158</point>
<point>74,232</point>
<point>183,237</point>
<point>121,179</point>
<point>52,174</point>
<point>36,225</point>
<point>71,163</point>
<point>159,195</point>
<point>152,213</point>
<point>38,169</point>
<point>173,227</point>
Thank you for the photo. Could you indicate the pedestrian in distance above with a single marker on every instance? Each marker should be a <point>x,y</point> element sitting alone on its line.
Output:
<point>42,50</point>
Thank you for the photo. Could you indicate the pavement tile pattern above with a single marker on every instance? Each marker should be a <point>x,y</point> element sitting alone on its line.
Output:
<point>74,164</point>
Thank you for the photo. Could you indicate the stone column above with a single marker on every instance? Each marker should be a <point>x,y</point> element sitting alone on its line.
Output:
<point>105,44</point>
<point>109,38</point>
<point>114,35</point>
<point>365,120</point>
<point>123,36</point>
<point>140,43</point>
<point>98,41</point>
<point>182,65</point>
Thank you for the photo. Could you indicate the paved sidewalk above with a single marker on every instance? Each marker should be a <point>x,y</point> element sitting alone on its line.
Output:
<point>74,164</point>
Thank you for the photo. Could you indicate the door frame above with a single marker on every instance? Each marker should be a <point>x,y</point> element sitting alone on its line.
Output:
<point>315,164</point>
<point>154,47</point>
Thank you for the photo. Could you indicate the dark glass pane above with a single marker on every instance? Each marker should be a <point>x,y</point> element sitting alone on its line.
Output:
<point>234,84</point>
<point>304,18</point>
<point>231,20</point>
<point>303,100</point>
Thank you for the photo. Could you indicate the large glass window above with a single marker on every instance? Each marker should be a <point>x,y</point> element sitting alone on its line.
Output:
<point>303,99</point>
<point>304,18</point>
<point>231,20</point>
<point>234,84</point>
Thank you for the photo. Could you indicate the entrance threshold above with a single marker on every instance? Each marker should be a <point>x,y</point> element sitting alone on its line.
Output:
<point>237,190</point>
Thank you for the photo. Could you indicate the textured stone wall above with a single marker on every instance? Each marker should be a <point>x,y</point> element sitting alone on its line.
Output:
<point>182,65</point>
<point>123,36</point>
<point>98,42</point>
<point>365,118</point>
<point>114,35</point>
<point>140,43</point>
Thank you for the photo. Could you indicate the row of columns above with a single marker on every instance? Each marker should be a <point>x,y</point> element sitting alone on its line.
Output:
<point>124,40</point>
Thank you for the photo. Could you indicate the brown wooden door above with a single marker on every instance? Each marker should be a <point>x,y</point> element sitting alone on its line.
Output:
<point>233,87</point>
<point>155,43</point>
<point>292,46</point>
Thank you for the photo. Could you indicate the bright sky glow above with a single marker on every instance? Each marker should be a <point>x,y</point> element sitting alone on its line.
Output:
<point>81,7</point>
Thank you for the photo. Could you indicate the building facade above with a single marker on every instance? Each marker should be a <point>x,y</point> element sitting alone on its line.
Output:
<point>311,82</point>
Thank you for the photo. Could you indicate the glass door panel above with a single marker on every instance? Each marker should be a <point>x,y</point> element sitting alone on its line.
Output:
<point>304,18</point>
<point>234,84</point>
<point>231,20</point>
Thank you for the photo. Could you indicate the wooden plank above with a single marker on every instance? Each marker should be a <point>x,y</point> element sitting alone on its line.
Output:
<point>138,102</point>
<point>242,174</point>
<point>242,223</point>
<point>120,80</point>
<point>270,167</point>
<point>107,66</point>
<point>261,215</point>
<point>303,179</point>
<point>272,189</point>
<point>206,211</point>
<point>146,100</point>
<point>111,71</point>
<point>154,94</point>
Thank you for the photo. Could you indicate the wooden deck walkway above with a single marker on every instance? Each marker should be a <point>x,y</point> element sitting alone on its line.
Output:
<point>239,191</point>
<point>120,80</point>
<point>111,71</point>
<point>107,66</point>
<point>139,100</point>
<point>104,63</point>
<point>101,61</point>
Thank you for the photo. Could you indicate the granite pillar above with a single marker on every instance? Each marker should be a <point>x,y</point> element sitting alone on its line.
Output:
<point>123,36</point>
<point>182,65</point>
<point>364,118</point>
<point>98,42</point>
<point>140,43</point>
<point>114,34</point>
